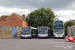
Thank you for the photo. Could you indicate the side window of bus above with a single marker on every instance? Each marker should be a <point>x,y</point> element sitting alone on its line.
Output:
<point>33,31</point>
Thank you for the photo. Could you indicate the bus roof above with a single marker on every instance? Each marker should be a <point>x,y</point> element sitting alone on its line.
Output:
<point>58,20</point>
<point>44,26</point>
<point>33,28</point>
<point>30,27</point>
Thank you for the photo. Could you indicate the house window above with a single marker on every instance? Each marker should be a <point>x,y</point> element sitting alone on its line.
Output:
<point>13,19</point>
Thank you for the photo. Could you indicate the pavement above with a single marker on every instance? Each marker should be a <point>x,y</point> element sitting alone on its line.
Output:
<point>36,44</point>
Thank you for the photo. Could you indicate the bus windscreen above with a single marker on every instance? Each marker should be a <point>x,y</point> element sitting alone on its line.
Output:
<point>26,30</point>
<point>58,31</point>
<point>42,30</point>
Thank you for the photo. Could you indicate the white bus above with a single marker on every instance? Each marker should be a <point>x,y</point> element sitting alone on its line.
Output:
<point>58,29</point>
<point>44,32</point>
<point>28,32</point>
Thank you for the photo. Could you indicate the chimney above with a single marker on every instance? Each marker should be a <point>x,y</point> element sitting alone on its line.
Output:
<point>23,17</point>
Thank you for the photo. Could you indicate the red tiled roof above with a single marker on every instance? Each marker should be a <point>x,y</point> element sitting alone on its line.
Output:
<point>18,15</point>
<point>3,17</point>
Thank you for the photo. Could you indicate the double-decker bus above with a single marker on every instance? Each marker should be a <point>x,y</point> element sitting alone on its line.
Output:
<point>58,29</point>
<point>44,32</point>
<point>28,32</point>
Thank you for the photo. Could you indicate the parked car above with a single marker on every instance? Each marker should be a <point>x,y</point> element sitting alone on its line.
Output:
<point>70,39</point>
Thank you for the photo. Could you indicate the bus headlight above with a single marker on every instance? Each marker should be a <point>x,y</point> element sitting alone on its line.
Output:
<point>63,35</point>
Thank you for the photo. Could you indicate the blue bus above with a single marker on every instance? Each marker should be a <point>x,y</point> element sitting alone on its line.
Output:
<point>44,32</point>
<point>28,32</point>
<point>58,29</point>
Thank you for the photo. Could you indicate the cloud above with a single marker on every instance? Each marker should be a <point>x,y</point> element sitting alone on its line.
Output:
<point>30,4</point>
<point>65,9</point>
<point>72,7</point>
<point>62,14</point>
<point>8,11</point>
<point>65,14</point>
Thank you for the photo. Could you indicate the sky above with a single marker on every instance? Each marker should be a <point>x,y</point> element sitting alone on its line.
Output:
<point>64,9</point>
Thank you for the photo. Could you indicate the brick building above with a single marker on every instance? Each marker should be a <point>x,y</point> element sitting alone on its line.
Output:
<point>13,20</point>
<point>72,20</point>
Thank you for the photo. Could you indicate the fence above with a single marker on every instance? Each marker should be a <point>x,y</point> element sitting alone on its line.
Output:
<point>71,31</point>
<point>10,32</point>
<point>6,32</point>
<point>18,32</point>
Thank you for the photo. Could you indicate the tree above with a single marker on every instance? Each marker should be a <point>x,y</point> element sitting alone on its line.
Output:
<point>68,23</point>
<point>41,17</point>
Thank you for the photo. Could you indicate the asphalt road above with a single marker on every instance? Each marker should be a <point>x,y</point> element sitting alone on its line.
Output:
<point>36,44</point>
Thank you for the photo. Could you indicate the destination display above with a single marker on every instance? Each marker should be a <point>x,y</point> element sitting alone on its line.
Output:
<point>58,23</point>
<point>58,27</point>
